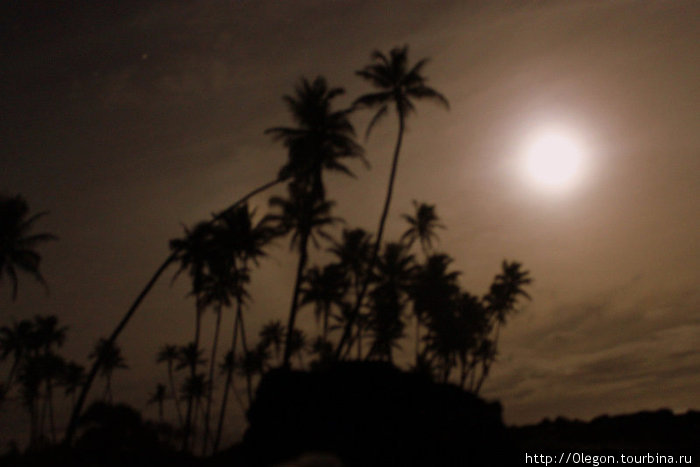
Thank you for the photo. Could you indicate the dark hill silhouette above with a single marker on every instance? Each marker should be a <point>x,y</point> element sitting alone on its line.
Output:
<point>657,432</point>
<point>369,413</point>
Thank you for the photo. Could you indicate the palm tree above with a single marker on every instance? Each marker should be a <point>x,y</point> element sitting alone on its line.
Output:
<point>272,335</point>
<point>422,226</point>
<point>17,243</point>
<point>169,354</point>
<point>72,378</point>
<point>196,251</point>
<point>16,340</point>
<point>304,215</point>
<point>47,335</point>
<point>297,343</point>
<point>158,397</point>
<point>321,138</point>
<point>392,279</point>
<point>195,389</point>
<point>434,290</point>
<point>398,86</point>
<point>324,288</point>
<point>501,300</point>
<point>112,359</point>
<point>251,363</point>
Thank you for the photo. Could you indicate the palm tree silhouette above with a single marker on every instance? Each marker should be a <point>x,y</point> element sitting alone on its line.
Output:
<point>251,363</point>
<point>503,295</point>
<point>168,354</point>
<point>112,359</point>
<point>422,226</point>
<point>17,243</point>
<point>321,138</point>
<point>324,288</point>
<point>16,340</point>
<point>47,335</point>
<point>297,343</point>
<point>158,397</point>
<point>305,215</point>
<point>272,335</point>
<point>398,86</point>
<point>72,377</point>
<point>393,278</point>
<point>433,291</point>
<point>196,251</point>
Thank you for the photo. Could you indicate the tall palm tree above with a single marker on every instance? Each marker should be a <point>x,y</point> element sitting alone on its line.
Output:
<point>48,334</point>
<point>422,226</point>
<point>196,251</point>
<point>398,86</point>
<point>17,243</point>
<point>112,359</point>
<point>168,354</point>
<point>305,215</point>
<point>321,138</point>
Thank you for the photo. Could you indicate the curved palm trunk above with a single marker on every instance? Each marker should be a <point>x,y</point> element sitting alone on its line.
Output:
<point>380,232</point>
<point>72,425</point>
<point>303,254</point>
<point>207,412</point>
<point>229,379</point>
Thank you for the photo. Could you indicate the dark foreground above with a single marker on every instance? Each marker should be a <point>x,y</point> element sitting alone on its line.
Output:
<point>371,414</point>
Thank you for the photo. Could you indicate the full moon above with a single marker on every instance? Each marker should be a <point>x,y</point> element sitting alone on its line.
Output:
<point>553,159</point>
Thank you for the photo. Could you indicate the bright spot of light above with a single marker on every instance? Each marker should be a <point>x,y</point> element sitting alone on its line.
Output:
<point>553,159</point>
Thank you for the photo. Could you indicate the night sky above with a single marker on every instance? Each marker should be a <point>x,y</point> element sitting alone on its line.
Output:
<point>127,119</point>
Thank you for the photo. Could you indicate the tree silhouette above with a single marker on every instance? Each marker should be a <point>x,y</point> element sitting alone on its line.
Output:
<point>196,250</point>
<point>324,288</point>
<point>17,243</point>
<point>112,359</point>
<point>422,226</point>
<point>158,397</point>
<point>321,138</point>
<point>16,340</point>
<point>72,378</point>
<point>305,215</point>
<point>398,86</point>
<point>272,335</point>
<point>393,278</point>
<point>169,354</point>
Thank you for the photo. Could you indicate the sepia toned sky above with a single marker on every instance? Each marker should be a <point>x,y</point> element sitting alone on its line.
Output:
<point>127,119</point>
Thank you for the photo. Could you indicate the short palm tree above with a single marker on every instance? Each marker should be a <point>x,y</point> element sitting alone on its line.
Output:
<point>16,341</point>
<point>169,354</point>
<point>17,242</point>
<point>324,288</point>
<point>398,85</point>
<point>112,359</point>
<point>422,226</point>
<point>158,397</point>
<point>393,278</point>
<point>272,335</point>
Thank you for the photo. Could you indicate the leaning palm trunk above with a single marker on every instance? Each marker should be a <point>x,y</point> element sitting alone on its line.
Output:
<point>303,253</point>
<point>375,251</point>
<point>229,379</point>
<point>72,425</point>
<point>207,412</point>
